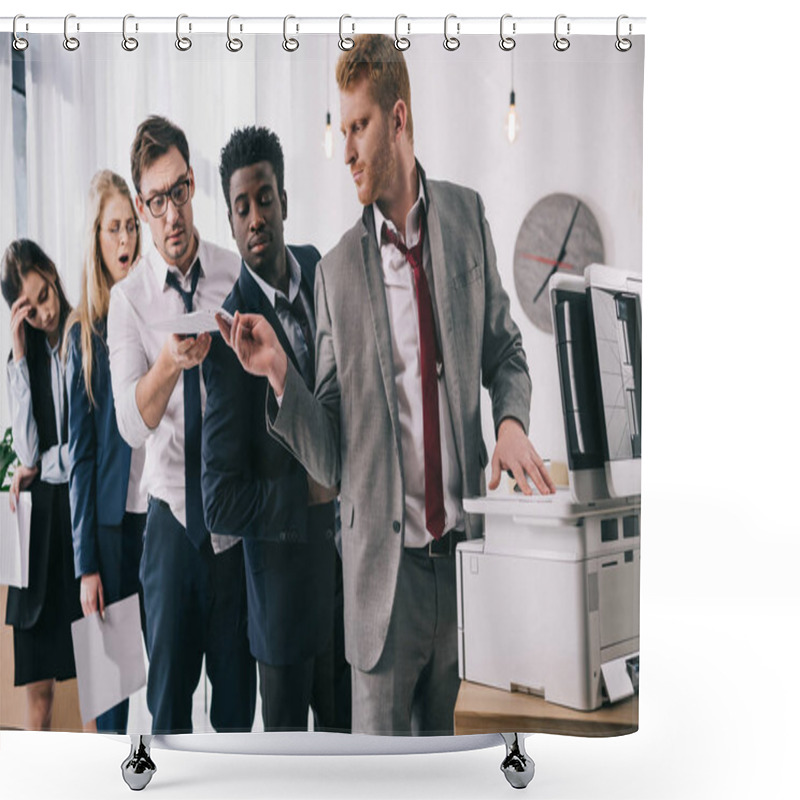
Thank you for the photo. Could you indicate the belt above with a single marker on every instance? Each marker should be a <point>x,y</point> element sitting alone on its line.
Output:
<point>446,546</point>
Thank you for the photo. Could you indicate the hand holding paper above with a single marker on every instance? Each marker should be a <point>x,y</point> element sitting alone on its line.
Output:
<point>109,657</point>
<point>254,341</point>
<point>23,478</point>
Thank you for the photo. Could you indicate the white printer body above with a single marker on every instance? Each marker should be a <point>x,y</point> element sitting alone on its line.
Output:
<point>548,600</point>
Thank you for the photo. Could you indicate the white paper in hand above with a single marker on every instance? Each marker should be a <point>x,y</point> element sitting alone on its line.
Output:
<point>109,657</point>
<point>193,323</point>
<point>15,541</point>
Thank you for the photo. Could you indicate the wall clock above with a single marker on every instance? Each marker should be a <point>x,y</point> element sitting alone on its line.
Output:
<point>559,233</point>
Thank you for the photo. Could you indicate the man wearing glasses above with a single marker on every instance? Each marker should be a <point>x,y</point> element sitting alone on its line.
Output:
<point>193,581</point>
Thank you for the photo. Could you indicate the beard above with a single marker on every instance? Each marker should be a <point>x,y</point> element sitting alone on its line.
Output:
<point>379,172</point>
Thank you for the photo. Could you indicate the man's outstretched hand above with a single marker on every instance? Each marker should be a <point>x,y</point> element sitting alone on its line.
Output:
<point>253,340</point>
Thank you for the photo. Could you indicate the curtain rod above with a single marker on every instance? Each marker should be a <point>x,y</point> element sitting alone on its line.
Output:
<point>347,26</point>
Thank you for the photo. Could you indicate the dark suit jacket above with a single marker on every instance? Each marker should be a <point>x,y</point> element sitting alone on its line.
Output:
<point>100,460</point>
<point>254,488</point>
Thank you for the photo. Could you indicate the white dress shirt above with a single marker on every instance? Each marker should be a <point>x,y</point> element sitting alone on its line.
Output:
<point>136,500</point>
<point>142,298</point>
<point>55,460</point>
<point>401,301</point>
<point>291,327</point>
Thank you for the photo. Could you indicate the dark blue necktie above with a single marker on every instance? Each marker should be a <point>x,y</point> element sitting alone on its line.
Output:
<point>297,312</point>
<point>192,427</point>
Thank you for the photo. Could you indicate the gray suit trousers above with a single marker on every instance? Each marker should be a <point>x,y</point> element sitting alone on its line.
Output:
<point>413,687</point>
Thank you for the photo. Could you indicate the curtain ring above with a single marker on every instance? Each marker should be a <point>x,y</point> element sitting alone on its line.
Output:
<point>183,43</point>
<point>507,42</point>
<point>18,42</point>
<point>623,45</point>
<point>451,42</point>
<point>345,42</point>
<point>128,42</point>
<point>561,43</point>
<point>70,42</point>
<point>401,42</point>
<point>233,44</point>
<point>290,44</point>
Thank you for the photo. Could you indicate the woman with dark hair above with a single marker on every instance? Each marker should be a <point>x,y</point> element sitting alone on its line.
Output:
<point>108,506</point>
<point>41,613</point>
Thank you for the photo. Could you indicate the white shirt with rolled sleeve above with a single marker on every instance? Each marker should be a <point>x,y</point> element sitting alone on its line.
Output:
<point>142,298</point>
<point>55,461</point>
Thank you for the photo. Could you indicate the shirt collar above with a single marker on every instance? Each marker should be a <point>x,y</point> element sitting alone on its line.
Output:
<point>160,267</point>
<point>411,233</point>
<point>294,280</point>
<point>53,351</point>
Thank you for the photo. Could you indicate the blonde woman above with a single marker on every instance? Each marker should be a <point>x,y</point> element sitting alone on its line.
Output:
<point>41,613</point>
<point>107,506</point>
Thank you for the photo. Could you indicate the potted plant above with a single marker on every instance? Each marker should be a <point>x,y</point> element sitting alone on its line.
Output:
<point>8,460</point>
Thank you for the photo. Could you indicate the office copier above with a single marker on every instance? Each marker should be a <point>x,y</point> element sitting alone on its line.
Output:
<point>549,598</point>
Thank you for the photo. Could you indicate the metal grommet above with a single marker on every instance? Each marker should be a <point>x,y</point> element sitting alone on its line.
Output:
<point>561,43</point>
<point>451,42</point>
<point>183,43</point>
<point>233,44</point>
<point>18,43</point>
<point>401,42</point>
<point>507,42</point>
<point>70,42</point>
<point>289,44</point>
<point>345,42</point>
<point>128,42</point>
<point>623,45</point>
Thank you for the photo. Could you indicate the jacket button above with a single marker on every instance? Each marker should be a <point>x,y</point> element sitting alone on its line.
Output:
<point>396,526</point>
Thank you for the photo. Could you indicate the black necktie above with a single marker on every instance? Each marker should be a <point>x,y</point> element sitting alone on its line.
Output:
<point>192,427</point>
<point>297,311</point>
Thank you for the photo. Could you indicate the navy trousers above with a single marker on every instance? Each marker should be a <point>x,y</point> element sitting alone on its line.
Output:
<point>196,605</point>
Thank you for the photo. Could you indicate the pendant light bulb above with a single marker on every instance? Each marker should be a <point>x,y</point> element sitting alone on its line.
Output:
<point>328,136</point>
<point>512,119</point>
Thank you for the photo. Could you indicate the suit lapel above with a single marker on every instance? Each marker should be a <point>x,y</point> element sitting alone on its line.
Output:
<point>447,315</point>
<point>376,295</point>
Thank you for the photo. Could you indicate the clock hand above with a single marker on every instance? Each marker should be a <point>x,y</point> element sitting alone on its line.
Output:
<point>561,253</point>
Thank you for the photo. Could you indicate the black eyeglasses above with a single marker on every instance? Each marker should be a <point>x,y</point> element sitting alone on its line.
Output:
<point>178,194</point>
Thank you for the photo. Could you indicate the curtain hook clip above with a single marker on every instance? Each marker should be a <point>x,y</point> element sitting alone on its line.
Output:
<point>507,42</point>
<point>129,43</point>
<point>233,44</point>
<point>401,42</point>
<point>289,44</point>
<point>623,44</point>
<point>183,43</point>
<point>71,43</point>
<point>345,42</point>
<point>451,42</point>
<point>561,43</point>
<point>18,42</point>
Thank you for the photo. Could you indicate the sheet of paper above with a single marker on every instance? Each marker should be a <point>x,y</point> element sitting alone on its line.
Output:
<point>109,657</point>
<point>15,539</point>
<point>618,682</point>
<point>188,324</point>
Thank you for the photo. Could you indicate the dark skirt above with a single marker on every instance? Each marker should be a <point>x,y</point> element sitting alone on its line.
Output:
<point>44,651</point>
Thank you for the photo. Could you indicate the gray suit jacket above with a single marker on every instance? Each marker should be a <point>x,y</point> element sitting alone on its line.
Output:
<point>348,431</point>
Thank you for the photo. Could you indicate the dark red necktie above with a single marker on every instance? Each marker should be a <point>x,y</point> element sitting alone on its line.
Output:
<point>428,352</point>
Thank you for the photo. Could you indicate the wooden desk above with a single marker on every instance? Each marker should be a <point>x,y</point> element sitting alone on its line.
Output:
<point>481,709</point>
